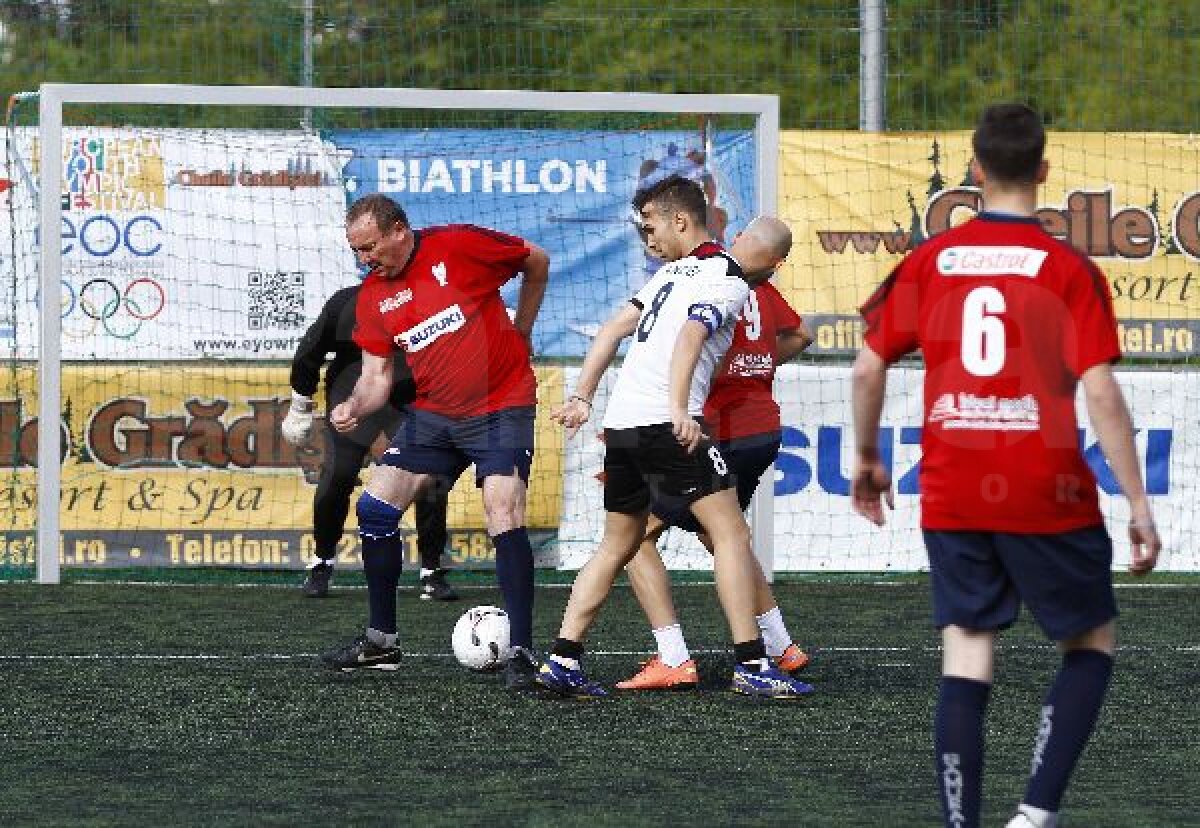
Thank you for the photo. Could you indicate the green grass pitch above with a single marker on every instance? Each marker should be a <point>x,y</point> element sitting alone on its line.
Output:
<point>200,704</point>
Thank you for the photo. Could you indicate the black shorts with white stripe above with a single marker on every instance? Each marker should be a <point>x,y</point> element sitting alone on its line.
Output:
<point>647,464</point>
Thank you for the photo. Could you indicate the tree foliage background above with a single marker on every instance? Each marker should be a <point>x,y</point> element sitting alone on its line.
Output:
<point>1087,64</point>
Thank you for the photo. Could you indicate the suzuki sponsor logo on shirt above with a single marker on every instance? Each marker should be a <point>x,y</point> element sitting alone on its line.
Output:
<point>393,302</point>
<point>419,336</point>
<point>990,261</point>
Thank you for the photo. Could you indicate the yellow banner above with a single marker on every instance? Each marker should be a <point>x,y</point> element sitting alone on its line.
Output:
<point>184,450</point>
<point>857,202</point>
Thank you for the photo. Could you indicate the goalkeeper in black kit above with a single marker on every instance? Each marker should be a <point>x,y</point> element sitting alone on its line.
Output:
<point>345,453</point>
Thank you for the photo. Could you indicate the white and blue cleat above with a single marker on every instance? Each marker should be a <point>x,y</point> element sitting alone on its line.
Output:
<point>567,683</point>
<point>771,683</point>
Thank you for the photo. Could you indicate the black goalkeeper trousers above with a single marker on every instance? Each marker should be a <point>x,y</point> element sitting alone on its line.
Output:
<point>343,461</point>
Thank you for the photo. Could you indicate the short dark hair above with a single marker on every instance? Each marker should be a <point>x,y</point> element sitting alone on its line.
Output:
<point>1009,142</point>
<point>675,194</point>
<point>386,212</point>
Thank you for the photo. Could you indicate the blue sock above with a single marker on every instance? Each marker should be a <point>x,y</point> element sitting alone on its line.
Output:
<point>958,749</point>
<point>383,560</point>
<point>514,571</point>
<point>1068,717</point>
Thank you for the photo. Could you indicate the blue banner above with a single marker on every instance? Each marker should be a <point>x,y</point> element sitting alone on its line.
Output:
<point>568,191</point>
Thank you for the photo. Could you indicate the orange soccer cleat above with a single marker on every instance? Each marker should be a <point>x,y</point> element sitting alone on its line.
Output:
<point>655,675</point>
<point>792,659</point>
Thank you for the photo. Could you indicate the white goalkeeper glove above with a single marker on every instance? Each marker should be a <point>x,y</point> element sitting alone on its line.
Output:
<point>297,425</point>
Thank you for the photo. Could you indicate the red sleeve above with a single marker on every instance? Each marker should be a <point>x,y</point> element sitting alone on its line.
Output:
<point>369,333</point>
<point>1090,305</point>
<point>892,314</point>
<point>499,255</point>
<point>785,318</point>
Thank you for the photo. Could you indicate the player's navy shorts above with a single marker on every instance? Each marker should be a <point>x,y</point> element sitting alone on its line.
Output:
<point>498,443</point>
<point>647,464</point>
<point>748,459</point>
<point>980,579</point>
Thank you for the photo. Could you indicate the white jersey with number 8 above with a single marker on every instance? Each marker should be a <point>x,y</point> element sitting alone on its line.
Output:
<point>706,286</point>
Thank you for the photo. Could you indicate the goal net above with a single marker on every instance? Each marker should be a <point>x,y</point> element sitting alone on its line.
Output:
<point>185,237</point>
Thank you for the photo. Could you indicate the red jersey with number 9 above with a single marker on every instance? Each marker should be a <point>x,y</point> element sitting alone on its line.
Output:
<point>1008,318</point>
<point>741,402</point>
<point>445,312</point>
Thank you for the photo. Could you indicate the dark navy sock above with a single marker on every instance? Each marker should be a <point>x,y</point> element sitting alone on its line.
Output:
<point>514,571</point>
<point>383,560</point>
<point>958,749</point>
<point>1068,717</point>
<point>750,653</point>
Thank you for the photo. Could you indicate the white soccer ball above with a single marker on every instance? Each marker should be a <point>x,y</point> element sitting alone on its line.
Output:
<point>480,638</point>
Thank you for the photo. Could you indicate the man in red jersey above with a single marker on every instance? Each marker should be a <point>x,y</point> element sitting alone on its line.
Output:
<point>1010,320</point>
<point>434,294</point>
<point>744,418</point>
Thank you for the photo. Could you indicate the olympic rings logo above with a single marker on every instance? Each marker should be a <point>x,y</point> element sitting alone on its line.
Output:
<point>121,313</point>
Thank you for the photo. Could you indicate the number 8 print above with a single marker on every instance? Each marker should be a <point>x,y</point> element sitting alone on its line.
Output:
<point>718,461</point>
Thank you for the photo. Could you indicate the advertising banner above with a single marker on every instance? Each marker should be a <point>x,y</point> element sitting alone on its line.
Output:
<point>568,191</point>
<point>185,465</point>
<point>814,527</point>
<point>857,202</point>
<point>190,244</point>
<point>185,244</point>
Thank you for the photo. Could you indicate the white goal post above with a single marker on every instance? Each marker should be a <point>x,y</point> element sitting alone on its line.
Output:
<point>763,109</point>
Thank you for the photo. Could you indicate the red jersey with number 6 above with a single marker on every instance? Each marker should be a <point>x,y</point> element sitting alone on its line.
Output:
<point>445,313</point>
<point>1008,318</point>
<point>740,402</point>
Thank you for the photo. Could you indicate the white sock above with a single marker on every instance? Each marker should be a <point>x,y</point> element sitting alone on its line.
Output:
<point>1038,817</point>
<point>672,649</point>
<point>775,633</point>
<point>321,562</point>
<point>425,573</point>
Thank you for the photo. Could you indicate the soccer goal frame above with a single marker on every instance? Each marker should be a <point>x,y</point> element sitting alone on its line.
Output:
<point>764,109</point>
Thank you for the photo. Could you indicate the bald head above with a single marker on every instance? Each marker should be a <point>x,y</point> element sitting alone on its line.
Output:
<point>761,248</point>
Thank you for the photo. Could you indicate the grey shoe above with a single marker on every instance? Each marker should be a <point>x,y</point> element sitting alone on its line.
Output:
<point>435,588</point>
<point>362,653</point>
<point>520,673</point>
<point>316,583</point>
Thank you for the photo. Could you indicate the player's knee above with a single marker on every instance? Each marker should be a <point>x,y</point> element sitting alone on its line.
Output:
<point>1102,638</point>
<point>500,522</point>
<point>728,535</point>
<point>376,518</point>
<point>503,514</point>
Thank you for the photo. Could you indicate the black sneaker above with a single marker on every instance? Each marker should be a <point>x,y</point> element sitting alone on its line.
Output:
<point>435,588</point>
<point>521,671</point>
<point>362,653</point>
<point>316,583</point>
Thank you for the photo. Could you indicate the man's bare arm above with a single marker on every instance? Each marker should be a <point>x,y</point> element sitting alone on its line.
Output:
<point>576,410</point>
<point>536,275</point>
<point>870,479</point>
<point>684,357</point>
<point>370,393</point>
<point>1114,428</point>
<point>789,344</point>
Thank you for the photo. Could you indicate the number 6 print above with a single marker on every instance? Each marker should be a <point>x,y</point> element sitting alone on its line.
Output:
<point>983,346</point>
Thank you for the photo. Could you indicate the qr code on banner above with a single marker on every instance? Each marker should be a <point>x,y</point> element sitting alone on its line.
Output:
<point>276,299</point>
